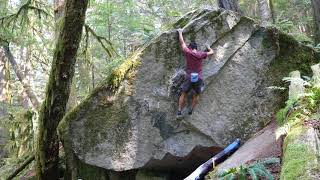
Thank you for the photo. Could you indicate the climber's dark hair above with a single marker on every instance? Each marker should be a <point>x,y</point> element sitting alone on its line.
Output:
<point>193,46</point>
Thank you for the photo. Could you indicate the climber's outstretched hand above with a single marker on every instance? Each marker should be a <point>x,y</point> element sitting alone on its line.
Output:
<point>210,51</point>
<point>181,40</point>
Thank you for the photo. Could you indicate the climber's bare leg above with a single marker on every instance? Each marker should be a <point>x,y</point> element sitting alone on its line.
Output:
<point>195,100</point>
<point>182,101</point>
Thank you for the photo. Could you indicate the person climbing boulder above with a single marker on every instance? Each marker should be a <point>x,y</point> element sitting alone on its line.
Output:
<point>193,79</point>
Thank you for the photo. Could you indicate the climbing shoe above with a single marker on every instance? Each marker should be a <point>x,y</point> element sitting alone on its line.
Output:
<point>179,115</point>
<point>190,111</point>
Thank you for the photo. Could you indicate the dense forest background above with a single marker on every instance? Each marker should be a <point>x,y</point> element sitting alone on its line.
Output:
<point>112,31</point>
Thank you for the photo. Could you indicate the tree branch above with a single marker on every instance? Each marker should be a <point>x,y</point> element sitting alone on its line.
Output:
<point>32,96</point>
<point>21,167</point>
<point>101,40</point>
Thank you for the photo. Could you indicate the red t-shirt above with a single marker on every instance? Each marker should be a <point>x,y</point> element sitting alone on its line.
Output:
<point>194,61</point>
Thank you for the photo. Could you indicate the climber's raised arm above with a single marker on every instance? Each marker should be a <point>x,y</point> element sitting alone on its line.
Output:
<point>181,40</point>
<point>210,52</point>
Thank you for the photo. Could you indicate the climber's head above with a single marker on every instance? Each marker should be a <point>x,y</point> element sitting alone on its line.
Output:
<point>193,46</point>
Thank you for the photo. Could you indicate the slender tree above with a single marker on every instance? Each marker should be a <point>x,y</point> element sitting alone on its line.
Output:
<point>25,57</point>
<point>232,5</point>
<point>4,68</point>
<point>4,81</point>
<point>316,15</point>
<point>273,13</point>
<point>265,11</point>
<point>20,74</point>
<point>58,88</point>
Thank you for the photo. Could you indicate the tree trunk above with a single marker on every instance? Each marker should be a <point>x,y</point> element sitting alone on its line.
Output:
<point>5,95</point>
<point>72,102</point>
<point>109,20</point>
<point>4,9</point>
<point>316,16</point>
<point>4,81</point>
<point>92,76</point>
<point>265,11</point>
<point>58,88</point>
<point>273,13</point>
<point>125,47</point>
<point>84,76</point>
<point>232,5</point>
<point>26,86</point>
<point>25,54</point>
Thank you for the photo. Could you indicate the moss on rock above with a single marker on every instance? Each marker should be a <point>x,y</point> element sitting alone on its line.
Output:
<point>291,56</point>
<point>301,156</point>
<point>110,84</point>
<point>101,112</point>
<point>299,162</point>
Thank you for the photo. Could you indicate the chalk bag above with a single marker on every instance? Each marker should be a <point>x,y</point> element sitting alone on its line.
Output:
<point>194,77</point>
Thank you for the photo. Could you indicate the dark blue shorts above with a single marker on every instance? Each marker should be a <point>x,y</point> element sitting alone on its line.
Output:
<point>187,85</point>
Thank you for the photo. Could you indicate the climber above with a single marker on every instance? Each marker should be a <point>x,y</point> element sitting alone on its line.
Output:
<point>193,79</point>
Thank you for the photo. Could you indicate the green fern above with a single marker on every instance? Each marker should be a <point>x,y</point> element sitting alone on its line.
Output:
<point>253,174</point>
<point>254,170</point>
<point>230,177</point>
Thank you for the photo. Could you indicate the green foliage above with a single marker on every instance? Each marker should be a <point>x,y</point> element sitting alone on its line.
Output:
<point>255,170</point>
<point>295,163</point>
<point>303,105</point>
<point>315,47</point>
<point>282,114</point>
<point>22,19</point>
<point>294,166</point>
<point>288,25</point>
<point>104,42</point>
<point>294,17</point>
<point>284,25</point>
<point>19,125</point>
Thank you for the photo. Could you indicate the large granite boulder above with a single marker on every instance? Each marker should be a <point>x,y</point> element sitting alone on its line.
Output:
<point>129,123</point>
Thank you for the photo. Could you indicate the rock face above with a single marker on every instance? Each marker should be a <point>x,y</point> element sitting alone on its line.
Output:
<point>129,123</point>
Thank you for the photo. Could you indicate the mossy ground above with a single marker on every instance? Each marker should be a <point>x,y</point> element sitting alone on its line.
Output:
<point>299,160</point>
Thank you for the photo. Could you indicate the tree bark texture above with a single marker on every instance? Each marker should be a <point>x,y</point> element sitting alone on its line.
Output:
<point>316,16</point>
<point>4,78</point>
<point>273,13</point>
<point>84,76</point>
<point>265,11</point>
<point>5,95</point>
<point>26,86</point>
<point>58,88</point>
<point>232,5</point>
<point>72,101</point>
<point>25,54</point>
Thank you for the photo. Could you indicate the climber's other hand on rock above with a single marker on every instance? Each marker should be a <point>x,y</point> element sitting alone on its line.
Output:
<point>180,30</point>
